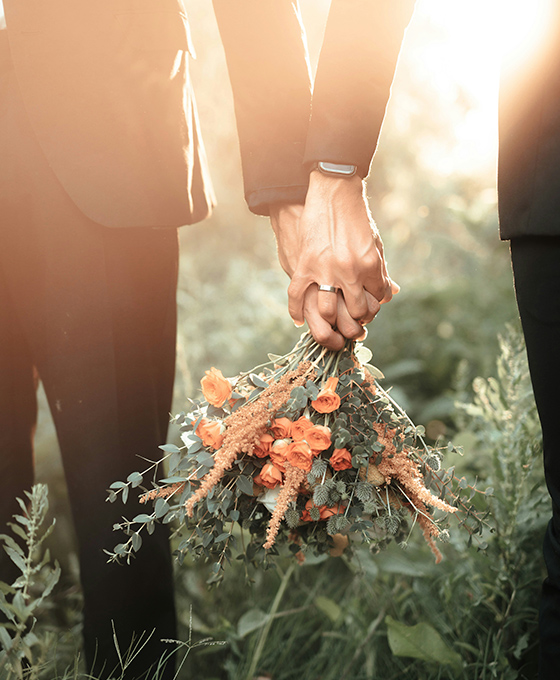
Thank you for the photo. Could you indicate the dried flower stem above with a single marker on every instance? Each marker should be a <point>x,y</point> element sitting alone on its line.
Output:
<point>162,492</point>
<point>294,478</point>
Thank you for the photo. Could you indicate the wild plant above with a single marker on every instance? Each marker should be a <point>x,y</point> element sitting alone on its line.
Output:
<point>24,652</point>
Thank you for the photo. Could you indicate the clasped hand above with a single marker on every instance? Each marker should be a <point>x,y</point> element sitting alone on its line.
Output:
<point>332,240</point>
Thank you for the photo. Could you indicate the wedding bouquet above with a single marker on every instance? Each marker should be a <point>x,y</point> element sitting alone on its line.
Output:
<point>306,451</point>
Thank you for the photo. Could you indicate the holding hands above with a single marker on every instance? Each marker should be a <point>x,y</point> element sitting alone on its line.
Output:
<point>332,252</point>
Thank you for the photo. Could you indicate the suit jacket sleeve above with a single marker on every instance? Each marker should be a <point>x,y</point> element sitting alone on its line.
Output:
<point>269,72</point>
<point>353,83</point>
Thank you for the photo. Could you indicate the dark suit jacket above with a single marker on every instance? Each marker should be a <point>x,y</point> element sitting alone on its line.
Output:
<point>107,90</point>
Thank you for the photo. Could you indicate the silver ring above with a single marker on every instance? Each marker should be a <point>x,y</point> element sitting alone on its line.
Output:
<point>328,289</point>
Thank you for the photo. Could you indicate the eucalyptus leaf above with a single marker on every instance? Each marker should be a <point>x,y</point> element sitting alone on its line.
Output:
<point>245,485</point>
<point>375,372</point>
<point>161,507</point>
<point>170,448</point>
<point>258,382</point>
<point>143,518</point>
<point>135,479</point>
<point>363,354</point>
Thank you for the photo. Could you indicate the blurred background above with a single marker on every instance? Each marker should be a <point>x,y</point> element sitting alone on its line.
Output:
<point>432,191</point>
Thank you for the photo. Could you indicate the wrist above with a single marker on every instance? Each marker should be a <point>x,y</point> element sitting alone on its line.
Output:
<point>322,183</point>
<point>334,169</point>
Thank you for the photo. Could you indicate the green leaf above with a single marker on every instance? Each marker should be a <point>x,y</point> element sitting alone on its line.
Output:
<point>161,507</point>
<point>420,642</point>
<point>170,448</point>
<point>30,640</point>
<point>245,485</point>
<point>135,478</point>
<point>5,638</point>
<point>136,542</point>
<point>8,540</point>
<point>363,354</point>
<point>375,372</point>
<point>258,382</point>
<point>117,485</point>
<point>172,480</point>
<point>251,621</point>
<point>51,581</point>
<point>143,518</point>
<point>16,558</point>
<point>204,458</point>
<point>328,607</point>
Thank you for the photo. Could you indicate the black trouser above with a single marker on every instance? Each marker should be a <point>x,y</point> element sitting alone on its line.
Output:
<point>536,267</point>
<point>91,311</point>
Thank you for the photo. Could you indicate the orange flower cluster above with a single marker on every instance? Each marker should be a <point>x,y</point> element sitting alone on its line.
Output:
<point>300,442</point>
<point>245,427</point>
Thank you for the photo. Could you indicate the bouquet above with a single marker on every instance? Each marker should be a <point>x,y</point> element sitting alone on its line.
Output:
<point>306,451</point>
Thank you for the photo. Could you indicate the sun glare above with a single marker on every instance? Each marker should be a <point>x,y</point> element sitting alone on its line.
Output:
<point>461,47</point>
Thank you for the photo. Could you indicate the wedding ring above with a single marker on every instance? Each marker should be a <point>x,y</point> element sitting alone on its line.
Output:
<point>328,289</point>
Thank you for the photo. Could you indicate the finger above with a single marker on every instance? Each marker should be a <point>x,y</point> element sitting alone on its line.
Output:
<point>355,300</point>
<point>392,289</point>
<point>373,307</point>
<point>327,305</point>
<point>345,323</point>
<point>320,328</point>
<point>296,295</point>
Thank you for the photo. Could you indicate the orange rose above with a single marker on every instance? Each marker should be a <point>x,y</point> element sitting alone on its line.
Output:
<point>215,388</point>
<point>341,459</point>
<point>324,511</point>
<point>281,427</point>
<point>270,476</point>
<point>210,431</point>
<point>318,437</point>
<point>327,400</point>
<point>278,453</point>
<point>300,455</point>
<point>262,449</point>
<point>298,428</point>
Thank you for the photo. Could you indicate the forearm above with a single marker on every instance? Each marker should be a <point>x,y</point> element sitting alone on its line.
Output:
<point>356,68</point>
<point>269,73</point>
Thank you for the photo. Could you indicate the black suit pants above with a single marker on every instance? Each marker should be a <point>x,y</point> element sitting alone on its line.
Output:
<point>536,267</point>
<point>91,312</point>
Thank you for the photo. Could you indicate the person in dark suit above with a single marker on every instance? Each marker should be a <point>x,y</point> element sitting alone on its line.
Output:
<point>101,160</point>
<point>352,86</point>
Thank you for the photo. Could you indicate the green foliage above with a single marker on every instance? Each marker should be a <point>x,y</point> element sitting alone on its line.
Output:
<point>472,617</point>
<point>21,602</point>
